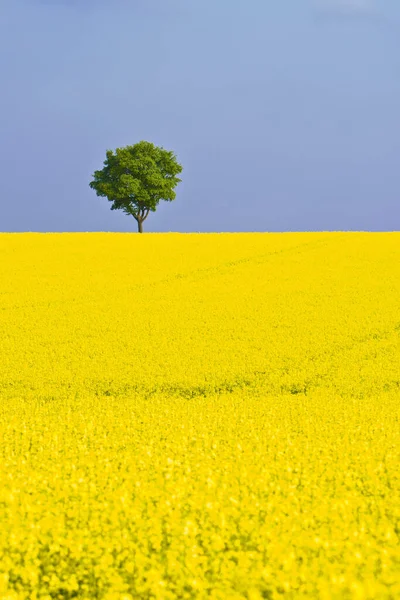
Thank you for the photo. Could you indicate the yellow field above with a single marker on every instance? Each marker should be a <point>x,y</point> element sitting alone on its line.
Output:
<point>200,416</point>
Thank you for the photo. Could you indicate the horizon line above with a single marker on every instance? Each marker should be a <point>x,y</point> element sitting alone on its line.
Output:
<point>198,232</point>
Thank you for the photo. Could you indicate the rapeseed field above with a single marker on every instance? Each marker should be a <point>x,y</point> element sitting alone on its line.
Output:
<point>195,416</point>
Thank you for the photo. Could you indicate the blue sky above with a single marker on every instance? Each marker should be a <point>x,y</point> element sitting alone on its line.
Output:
<point>283,113</point>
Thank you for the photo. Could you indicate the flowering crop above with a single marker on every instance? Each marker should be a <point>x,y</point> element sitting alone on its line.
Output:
<point>200,416</point>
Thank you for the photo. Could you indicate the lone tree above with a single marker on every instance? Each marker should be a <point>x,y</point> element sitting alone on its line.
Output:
<point>136,178</point>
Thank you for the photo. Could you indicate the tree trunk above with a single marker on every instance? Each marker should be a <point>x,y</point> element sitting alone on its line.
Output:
<point>140,226</point>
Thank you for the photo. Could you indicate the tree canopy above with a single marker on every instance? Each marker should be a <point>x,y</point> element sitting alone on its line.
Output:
<point>135,179</point>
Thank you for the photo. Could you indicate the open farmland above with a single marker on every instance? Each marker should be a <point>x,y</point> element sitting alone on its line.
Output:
<point>200,416</point>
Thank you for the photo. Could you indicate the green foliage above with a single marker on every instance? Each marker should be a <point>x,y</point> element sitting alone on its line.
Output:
<point>136,178</point>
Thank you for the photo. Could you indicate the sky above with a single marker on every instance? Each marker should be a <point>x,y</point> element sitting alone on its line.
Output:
<point>285,114</point>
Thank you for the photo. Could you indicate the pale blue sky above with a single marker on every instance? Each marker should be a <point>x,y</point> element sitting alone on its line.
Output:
<point>284,113</point>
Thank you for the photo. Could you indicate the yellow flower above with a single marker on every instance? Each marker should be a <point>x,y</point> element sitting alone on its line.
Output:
<point>199,416</point>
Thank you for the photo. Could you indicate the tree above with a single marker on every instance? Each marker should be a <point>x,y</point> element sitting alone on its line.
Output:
<point>136,178</point>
